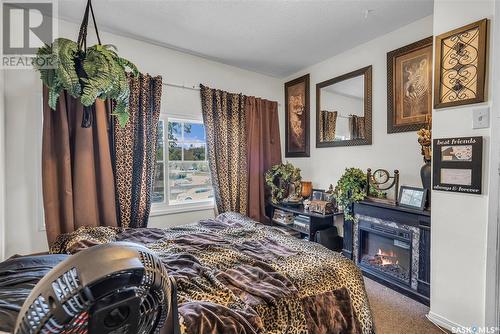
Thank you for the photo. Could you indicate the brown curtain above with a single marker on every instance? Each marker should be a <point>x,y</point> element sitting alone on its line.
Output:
<point>225,127</point>
<point>77,174</point>
<point>134,149</point>
<point>264,151</point>
<point>243,142</point>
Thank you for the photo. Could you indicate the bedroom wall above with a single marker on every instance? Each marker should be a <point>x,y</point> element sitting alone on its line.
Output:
<point>326,165</point>
<point>464,226</point>
<point>2,167</point>
<point>24,211</point>
<point>492,307</point>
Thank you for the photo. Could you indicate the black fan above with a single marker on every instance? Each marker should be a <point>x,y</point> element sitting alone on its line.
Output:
<point>113,288</point>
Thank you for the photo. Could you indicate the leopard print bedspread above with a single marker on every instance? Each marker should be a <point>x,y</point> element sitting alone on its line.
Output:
<point>238,276</point>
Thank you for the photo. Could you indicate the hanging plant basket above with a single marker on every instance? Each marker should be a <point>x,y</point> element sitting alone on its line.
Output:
<point>86,73</point>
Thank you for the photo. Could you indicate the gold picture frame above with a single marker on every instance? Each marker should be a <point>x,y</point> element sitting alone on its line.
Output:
<point>409,86</point>
<point>460,66</point>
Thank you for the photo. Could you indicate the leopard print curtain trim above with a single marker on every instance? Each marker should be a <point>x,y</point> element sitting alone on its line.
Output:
<point>135,151</point>
<point>225,125</point>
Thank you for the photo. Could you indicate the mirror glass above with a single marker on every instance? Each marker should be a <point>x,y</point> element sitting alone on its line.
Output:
<point>344,111</point>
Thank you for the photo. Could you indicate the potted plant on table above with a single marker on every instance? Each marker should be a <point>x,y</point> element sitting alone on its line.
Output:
<point>350,188</point>
<point>283,181</point>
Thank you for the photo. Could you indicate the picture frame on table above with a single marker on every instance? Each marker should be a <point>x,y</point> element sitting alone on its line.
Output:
<point>413,197</point>
<point>318,195</point>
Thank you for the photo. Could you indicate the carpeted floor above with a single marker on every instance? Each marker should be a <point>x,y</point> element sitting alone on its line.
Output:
<point>397,314</point>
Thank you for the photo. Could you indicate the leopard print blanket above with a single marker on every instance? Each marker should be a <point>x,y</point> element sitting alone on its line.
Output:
<point>238,276</point>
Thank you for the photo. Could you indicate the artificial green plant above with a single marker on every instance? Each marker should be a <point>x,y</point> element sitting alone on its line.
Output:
<point>105,74</point>
<point>350,188</point>
<point>278,180</point>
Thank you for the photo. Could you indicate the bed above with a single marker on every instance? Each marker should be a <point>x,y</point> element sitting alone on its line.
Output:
<point>233,275</point>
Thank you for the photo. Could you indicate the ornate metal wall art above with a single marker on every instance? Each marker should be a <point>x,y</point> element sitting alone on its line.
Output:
<point>461,65</point>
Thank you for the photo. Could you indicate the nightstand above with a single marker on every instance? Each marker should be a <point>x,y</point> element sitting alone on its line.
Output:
<point>310,223</point>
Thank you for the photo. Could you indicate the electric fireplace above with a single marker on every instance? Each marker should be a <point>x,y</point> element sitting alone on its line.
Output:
<point>386,251</point>
<point>391,245</point>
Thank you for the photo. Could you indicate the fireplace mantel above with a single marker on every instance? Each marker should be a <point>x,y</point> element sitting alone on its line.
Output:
<point>416,222</point>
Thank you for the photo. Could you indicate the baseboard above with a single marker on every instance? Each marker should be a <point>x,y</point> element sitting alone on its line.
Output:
<point>442,321</point>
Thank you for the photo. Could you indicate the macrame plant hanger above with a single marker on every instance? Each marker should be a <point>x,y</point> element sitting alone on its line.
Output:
<point>88,112</point>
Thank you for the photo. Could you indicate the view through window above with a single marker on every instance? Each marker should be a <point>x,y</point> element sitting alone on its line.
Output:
<point>182,157</point>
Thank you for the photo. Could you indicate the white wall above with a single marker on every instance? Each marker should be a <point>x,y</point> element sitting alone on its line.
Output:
<point>492,308</point>
<point>23,125</point>
<point>460,221</point>
<point>23,216</point>
<point>2,168</point>
<point>389,151</point>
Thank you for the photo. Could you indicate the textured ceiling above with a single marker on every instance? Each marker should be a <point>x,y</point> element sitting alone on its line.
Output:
<point>276,38</point>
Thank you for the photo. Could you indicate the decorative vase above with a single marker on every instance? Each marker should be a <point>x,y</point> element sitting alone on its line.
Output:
<point>425,175</point>
<point>306,189</point>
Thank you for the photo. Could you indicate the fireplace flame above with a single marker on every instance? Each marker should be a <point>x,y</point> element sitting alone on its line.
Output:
<point>387,258</point>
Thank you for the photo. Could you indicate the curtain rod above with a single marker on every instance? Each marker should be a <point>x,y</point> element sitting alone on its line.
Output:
<point>343,116</point>
<point>193,87</point>
<point>183,86</point>
<point>339,115</point>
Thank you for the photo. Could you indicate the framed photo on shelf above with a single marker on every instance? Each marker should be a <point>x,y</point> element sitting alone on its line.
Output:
<point>318,195</point>
<point>460,68</point>
<point>297,117</point>
<point>412,197</point>
<point>409,86</point>
<point>458,164</point>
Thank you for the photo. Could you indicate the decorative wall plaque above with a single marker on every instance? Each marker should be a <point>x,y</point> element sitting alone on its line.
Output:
<point>461,65</point>
<point>458,164</point>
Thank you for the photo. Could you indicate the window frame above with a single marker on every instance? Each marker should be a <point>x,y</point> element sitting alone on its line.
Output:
<point>167,207</point>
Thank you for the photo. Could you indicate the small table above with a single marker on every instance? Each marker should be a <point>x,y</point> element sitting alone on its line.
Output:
<point>317,221</point>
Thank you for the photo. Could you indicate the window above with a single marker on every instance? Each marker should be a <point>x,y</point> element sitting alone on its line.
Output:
<point>181,175</point>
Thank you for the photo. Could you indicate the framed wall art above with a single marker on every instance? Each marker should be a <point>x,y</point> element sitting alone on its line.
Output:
<point>409,86</point>
<point>297,117</point>
<point>461,66</point>
<point>458,164</point>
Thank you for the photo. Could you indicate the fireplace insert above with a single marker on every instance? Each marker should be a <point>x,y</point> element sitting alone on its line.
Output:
<point>386,251</point>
